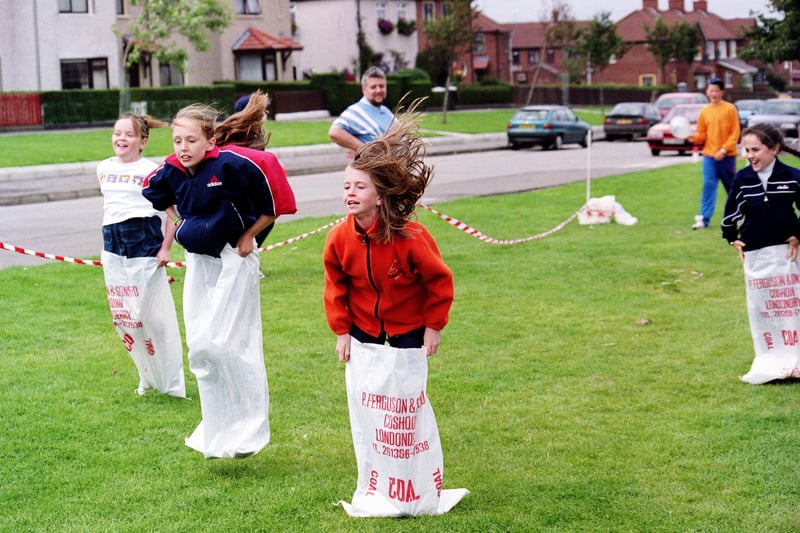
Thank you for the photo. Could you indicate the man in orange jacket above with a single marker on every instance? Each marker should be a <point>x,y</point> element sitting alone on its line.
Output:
<point>718,132</point>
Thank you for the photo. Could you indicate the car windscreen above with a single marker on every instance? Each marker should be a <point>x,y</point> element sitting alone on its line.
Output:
<point>782,108</point>
<point>690,112</point>
<point>533,114</point>
<point>628,109</point>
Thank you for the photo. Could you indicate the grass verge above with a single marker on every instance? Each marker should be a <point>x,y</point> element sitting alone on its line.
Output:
<point>588,381</point>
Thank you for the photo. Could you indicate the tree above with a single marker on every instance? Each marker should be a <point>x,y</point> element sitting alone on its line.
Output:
<point>775,39</point>
<point>450,36</point>
<point>658,42</point>
<point>678,42</point>
<point>155,27</point>
<point>559,32</point>
<point>600,42</point>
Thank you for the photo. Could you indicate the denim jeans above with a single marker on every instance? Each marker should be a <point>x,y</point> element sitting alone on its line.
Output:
<point>713,172</point>
<point>135,237</point>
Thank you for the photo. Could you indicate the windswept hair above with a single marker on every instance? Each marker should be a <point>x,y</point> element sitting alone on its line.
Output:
<point>394,162</point>
<point>245,128</point>
<point>142,123</point>
<point>205,116</point>
<point>770,136</point>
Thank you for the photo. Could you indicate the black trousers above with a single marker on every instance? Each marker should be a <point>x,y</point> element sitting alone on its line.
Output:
<point>412,339</point>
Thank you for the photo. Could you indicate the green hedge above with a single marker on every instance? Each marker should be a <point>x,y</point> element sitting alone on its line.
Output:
<point>77,107</point>
<point>100,107</point>
<point>483,94</point>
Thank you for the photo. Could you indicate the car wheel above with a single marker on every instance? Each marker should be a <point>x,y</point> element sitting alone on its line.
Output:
<point>513,146</point>
<point>655,151</point>
<point>585,141</point>
<point>558,143</point>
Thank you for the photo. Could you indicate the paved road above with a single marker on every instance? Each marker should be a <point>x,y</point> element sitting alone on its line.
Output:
<point>71,227</point>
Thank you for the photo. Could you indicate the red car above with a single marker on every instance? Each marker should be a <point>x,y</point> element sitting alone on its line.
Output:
<point>667,101</point>
<point>660,138</point>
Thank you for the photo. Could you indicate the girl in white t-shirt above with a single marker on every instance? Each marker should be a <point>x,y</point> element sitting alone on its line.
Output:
<point>134,251</point>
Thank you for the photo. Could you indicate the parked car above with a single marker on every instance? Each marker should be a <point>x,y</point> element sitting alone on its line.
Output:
<point>783,113</point>
<point>746,108</point>
<point>660,138</point>
<point>549,126</point>
<point>628,120</point>
<point>667,101</point>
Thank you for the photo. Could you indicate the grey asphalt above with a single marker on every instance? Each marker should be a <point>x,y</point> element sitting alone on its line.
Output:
<point>46,183</point>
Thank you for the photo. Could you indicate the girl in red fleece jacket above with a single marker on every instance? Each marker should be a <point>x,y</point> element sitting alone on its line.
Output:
<point>385,279</point>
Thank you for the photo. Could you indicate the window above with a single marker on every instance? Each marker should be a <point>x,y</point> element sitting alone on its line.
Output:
<point>447,8</point>
<point>479,43</point>
<point>427,11</point>
<point>248,7</point>
<point>515,57</point>
<point>120,7</point>
<point>722,46</point>
<point>728,79</point>
<point>169,75</point>
<point>710,50</point>
<point>401,10</point>
<point>732,49</point>
<point>380,10</point>
<point>647,80</point>
<point>258,67</point>
<point>551,56</point>
<point>534,56</point>
<point>73,6</point>
<point>84,73</point>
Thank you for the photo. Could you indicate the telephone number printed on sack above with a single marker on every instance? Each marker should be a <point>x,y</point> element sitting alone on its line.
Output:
<point>402,453</point>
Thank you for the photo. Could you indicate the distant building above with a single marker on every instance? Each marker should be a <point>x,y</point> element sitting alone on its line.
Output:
<point>71,44</point>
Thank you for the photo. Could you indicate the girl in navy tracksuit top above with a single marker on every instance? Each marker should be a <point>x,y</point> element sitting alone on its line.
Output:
<point>760,210</point>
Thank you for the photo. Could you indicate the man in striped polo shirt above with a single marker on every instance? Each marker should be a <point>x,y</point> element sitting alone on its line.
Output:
<point>366,119</point>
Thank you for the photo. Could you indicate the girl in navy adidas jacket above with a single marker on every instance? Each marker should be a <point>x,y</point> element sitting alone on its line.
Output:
<point>760,210</point>
<point>220,200</point>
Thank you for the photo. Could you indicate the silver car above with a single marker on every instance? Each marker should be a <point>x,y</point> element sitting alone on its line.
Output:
<point>783,113</point>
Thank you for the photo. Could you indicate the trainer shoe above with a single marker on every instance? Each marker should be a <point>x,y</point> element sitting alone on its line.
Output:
<point>698,222</point>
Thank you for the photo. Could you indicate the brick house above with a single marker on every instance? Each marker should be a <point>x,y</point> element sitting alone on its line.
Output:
<point>490,51</point>
<point>720,41</point>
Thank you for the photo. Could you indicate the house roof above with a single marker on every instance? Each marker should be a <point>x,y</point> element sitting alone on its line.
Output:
<point>714,28</point>
<point>254,39</point>
<point>531,34</point>
<point>485,24</point>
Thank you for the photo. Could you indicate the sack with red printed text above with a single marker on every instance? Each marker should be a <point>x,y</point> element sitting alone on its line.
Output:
<point>396,439</point>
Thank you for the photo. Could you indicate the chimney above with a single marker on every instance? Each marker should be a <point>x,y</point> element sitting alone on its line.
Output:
<point>676,5</point>
<point>701,5</point>
<point>650,4</point>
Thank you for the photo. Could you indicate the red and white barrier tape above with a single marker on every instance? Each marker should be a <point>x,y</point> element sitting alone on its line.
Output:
<point>20,250</point>
<point>478,235</point>
<point>450,220</point>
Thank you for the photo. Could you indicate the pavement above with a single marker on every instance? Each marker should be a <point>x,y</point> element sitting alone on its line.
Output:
<point>47,183</point>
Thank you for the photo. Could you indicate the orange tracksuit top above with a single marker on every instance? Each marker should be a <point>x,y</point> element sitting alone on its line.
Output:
<point>396,287</point>
<point>718,128</point>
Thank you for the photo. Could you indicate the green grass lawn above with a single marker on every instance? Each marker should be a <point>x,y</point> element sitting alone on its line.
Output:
<point>587,381</point>
<point>72,146</point>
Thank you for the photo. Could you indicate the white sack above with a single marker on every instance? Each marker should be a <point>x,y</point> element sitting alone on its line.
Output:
<point>222,312</point>
<point>396,439</point>
<point>144,316</point>
<point>773,305</point>
<point>602,210</point>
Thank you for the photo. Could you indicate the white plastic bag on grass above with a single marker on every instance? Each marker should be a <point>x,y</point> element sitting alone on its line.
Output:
<point>602,210</point>
<point>773,305</point>
<point>396,439</point>
<point>222,311</point>
<point>144,316</point>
